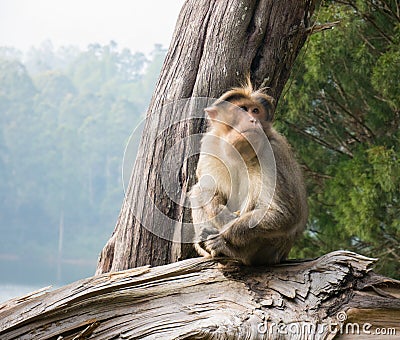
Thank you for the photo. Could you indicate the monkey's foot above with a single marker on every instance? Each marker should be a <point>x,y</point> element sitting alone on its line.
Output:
<point>216,245</point>
<point>201,251</point>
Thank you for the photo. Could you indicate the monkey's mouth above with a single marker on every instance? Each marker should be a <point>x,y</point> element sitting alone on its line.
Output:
<point>252,132</point>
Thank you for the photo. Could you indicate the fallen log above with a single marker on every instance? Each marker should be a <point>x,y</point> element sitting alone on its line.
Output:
<point>204,299</point>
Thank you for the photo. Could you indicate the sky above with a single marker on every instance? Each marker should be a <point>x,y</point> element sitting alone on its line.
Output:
<point>133,24</point>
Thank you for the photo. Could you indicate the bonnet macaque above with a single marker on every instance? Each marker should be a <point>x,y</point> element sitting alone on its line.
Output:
<point>249,203</point>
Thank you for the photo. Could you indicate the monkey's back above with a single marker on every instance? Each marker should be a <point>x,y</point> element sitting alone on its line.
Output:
<point>290,187</point>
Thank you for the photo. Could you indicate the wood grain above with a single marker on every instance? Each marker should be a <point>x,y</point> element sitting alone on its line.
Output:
<point>204,299</point>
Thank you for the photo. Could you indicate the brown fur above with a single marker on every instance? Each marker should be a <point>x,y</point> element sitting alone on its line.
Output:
<point>238,208</point>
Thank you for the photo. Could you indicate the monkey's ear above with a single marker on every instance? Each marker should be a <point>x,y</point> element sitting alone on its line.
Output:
<point>211,111</point>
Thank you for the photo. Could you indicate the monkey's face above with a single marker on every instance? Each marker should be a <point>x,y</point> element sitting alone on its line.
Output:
<point>239,128</point>
<point>247,136</point>
<point>254,109</point>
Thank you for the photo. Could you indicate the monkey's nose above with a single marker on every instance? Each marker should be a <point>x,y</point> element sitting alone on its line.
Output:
<point>253,120</point>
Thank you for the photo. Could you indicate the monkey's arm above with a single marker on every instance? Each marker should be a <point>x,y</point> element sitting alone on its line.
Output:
<point>265,223</point>
<point>208,207</point>
<point>248,229</point>
<point>209,214</point>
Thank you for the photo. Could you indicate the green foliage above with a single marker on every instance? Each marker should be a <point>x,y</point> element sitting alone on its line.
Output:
<point>384,77</point>
<point>342,114</point>
<point>66,117</point>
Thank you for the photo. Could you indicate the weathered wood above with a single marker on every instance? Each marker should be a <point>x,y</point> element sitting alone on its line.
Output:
<point>215,45</point>
<point>201,299</point>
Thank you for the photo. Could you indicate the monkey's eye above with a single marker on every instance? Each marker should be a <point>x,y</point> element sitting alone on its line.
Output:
<point>243,107</point>
<point>256,111</point>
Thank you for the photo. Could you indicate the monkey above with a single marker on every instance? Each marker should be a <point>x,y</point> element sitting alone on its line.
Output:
<point>249,202</point>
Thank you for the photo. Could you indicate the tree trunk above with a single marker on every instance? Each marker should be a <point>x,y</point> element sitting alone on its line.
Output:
<point>336,294</point>
<point>215,45</point>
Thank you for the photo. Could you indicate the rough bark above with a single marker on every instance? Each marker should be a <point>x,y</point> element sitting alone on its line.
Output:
<point>215,44</point>
<point>201,299</point>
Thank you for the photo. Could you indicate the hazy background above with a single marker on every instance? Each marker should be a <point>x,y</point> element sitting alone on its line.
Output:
<point>75,79</point>
<point>135,24</point>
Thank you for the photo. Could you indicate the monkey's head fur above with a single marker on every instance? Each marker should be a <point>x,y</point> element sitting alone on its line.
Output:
<point>246,96</point>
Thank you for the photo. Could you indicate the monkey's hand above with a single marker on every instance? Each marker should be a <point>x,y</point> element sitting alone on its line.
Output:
<point>205,231</point>
<point>217,245</point>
